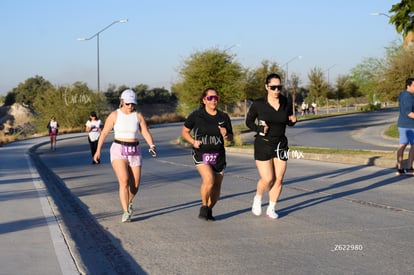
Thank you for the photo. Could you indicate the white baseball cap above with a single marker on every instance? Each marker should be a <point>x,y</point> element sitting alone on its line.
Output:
<point>129,96</point>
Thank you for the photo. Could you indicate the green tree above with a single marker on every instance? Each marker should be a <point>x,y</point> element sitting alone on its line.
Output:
<point>301,95</point>
<point>403,16</point>
<point>345,88</point>
<point>70,105</point>
<point>341,90</point>
<point>141,90</point>
<point>255,79</point>
<point>210,68</point>
<point>390,81</point>
<point>27,91</point>
<point>317,86</point>
<point>10,98</point>
<point>365,76</point>
<point>383,79</point>
<point>112,95</point>
<point>160,95</point>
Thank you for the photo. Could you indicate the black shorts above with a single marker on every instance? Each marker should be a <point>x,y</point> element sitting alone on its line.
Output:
<point>216,160</point>
<point>269,148</point>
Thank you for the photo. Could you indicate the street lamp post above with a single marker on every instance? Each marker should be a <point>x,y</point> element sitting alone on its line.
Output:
<point>407,37</point>
<point>97,45</point>
<point>287,79</point>
<point>245,99</point>
<point>287,69</point>
<point>328,72</point>
<point>379,14</point>
<point>231,47</point>
<point>329,84</point>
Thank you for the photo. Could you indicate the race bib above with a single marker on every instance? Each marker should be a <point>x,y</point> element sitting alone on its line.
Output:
<point>210,158</point>
<point>129,150</point>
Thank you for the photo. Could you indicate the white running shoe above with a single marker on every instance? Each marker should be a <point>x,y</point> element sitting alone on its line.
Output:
<point>271,214</point>
<point>257,207</point>
<point>126,217</point>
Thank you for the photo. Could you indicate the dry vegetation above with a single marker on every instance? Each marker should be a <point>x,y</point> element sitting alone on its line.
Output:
<point>15,123</point>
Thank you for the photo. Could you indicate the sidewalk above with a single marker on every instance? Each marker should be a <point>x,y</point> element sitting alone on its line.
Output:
<point>31,242</point>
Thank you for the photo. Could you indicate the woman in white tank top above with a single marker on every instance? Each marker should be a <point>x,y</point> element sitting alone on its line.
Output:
<point>126,158</point>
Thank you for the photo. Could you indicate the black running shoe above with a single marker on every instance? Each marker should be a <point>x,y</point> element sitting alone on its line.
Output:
<point>400,172</point>
<point>203,212</point>
<point>210,215</point>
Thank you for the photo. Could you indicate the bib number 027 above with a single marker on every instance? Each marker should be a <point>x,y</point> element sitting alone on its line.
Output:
<point>210,158</point>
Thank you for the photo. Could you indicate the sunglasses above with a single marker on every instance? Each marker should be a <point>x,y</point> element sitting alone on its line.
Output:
<point>274,87</point>
<point>211,97</point>
<point>128,104</point>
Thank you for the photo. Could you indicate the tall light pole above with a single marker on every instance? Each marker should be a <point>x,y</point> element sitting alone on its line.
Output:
<point>287,68</point>
<point>329,83</point>
<point>97,45</point>
<point>287,79</point>
<point>379,14</point>
<point>231,47</point>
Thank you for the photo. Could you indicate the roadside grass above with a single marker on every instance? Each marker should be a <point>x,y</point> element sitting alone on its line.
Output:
<point>164,118</point>
<point>4,139</point>
<point>387,155</point>
<point>392,131</point>
<point>331,151</point>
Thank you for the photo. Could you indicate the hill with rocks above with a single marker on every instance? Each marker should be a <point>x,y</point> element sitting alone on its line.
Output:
<point>16,120</point>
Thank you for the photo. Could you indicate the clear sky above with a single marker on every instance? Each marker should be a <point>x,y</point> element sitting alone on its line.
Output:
<point>40,37</point>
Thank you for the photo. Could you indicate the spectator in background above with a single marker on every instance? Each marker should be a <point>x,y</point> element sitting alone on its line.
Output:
<point>303,108</point>
<point>406,127</point>
<point>314,110</point>
<point>93,127</point>
<point>53,127</point>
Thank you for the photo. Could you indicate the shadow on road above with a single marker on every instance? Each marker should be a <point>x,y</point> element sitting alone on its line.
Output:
<point>96,250</point>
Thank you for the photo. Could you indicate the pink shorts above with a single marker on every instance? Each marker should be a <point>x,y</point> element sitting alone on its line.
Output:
<point>133,161</point>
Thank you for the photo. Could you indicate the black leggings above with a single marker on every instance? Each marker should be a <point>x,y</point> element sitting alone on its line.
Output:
<point>93,145</point>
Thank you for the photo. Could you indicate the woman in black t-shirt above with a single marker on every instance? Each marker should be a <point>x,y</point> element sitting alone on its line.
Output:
<point>206,128</point>
<point>271,152</point>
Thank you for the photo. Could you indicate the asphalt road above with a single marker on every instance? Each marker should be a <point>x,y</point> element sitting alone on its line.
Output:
<point>344,131</point>
<point>334,218</point>
<point>360,131</point>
